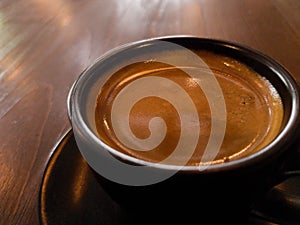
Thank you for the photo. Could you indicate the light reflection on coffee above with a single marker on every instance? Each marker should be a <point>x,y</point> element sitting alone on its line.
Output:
<point>254,110</point>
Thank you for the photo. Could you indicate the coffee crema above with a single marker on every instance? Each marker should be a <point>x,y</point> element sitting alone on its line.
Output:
<point>148,109</point>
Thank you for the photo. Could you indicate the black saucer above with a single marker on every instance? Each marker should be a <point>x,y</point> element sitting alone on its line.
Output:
<point>71,195</point>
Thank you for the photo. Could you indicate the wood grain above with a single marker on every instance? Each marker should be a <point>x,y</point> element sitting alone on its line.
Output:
<point>45,45</point>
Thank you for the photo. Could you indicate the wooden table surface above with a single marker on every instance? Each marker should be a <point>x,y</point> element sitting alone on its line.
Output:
<point>45,45</point>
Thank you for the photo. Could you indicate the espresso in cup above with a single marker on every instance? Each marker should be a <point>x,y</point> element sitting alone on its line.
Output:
<point>213,121</point>
<point>127,114</point>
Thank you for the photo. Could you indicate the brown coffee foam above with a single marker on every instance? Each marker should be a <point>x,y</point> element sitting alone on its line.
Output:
<point>254,110</point>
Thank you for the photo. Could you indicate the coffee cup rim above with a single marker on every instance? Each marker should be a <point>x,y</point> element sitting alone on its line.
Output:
<point>278,144</point>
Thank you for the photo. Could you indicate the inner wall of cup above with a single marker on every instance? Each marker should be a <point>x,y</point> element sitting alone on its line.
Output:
<point>97,75</point>
<point>89,97</point>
